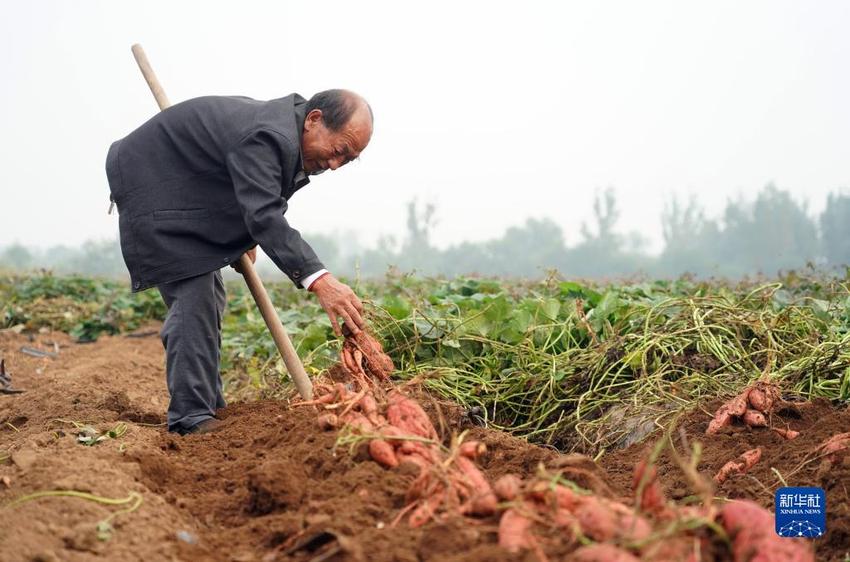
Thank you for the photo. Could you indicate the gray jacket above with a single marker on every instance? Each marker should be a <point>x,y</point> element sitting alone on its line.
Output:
<point>206,179</point>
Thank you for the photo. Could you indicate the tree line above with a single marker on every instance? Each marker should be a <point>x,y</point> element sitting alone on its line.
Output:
<point>765,235</point>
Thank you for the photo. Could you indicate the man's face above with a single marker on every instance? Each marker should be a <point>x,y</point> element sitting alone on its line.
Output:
<point>323,149</point>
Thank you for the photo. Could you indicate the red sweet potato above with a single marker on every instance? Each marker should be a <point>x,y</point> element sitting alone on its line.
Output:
<point>603,520</point>
<point>328,421</point>
<point>409,416</point>
<point>788,434</point>
<point>754,418</point>
<point>383,453</point>
<point>426,510</point>
<point>763,395</point>
<point>367,404</point>
<point>428,452</point>
<point>834,445</point>
<point>726,471</point>
<point>564,519</point>
<point>565,498</point>
<point>482,500</point>
<point>414,458</point>
<point>472,449</point>
<point>727,412</point>
<point>357,420</point>
<point>348,362</point>
<point>515,531</point>
<point>754,539</point>
<point>508,487</point>
<point>645,482</point>
<point>364,346</point>
<point>540,490</point>
<point>394,433</point>
<point>738,466</point>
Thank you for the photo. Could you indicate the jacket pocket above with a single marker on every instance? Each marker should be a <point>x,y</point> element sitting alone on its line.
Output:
<point>181,214</point>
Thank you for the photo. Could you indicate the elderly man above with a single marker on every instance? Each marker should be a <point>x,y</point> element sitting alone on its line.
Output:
<point>207,180</point>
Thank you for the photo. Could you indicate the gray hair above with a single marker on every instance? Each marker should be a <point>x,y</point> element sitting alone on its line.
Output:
<point>337,107</point>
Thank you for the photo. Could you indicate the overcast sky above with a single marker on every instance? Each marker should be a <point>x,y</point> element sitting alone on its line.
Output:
<point>495,112</point>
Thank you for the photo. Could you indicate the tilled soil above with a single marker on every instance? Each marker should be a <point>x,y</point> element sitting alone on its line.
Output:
<point>271,486</point>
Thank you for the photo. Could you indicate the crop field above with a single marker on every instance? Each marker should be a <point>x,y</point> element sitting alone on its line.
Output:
<point>519,420</point>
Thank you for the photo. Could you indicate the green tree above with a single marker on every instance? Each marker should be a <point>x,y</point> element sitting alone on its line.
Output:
<point>835,229</point>
<point>16,256</point>
<point>689,240</point>
<point>771,234</point>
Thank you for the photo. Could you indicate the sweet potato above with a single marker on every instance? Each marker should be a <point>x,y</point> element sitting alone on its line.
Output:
<point>751,457</point>
<point>416,447</point>
<point>472,449</point>
<point>328,421</point>
<point>357,356</point>
<point>757,399</point>
<point>751,528</point>
<point>322,400</point>
<point>369,349</point>
<point>508,487</point>
<point>834,445</point>
<point>726,471</point>
<point>539,490</point>
<point>394,433</point>
<point>347,361</point>
<point>368,405</point>
<point>788,434</point>
<point>409,416</point>
<point>357,420</point>
<point>727,412</point>
<point>740,465</point>
<point>564,519</point>
<point>630,525</point>
<point>762,396</point>
<point>565,498</point>
<point>603,553</point>
<point>645,483</point>
<point>414,458</point>
<point>383,453</point>
<point>515,531</point>
<point>482,500</point>
<point>603,520</point>
<point>426,510</point>
<point>596,520</point>
<point>754,418</point>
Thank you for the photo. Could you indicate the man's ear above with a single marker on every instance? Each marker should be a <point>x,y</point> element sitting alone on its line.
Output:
<point>313,119</point>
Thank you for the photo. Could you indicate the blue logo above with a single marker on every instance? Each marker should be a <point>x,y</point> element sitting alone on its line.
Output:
<point>800,512</point>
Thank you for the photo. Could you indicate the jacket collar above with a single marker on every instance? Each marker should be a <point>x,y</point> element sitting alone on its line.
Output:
<point>301,179</point>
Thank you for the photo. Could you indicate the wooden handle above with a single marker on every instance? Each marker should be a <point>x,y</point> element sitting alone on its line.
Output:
<point>281,338</point>
<point>255,284</point>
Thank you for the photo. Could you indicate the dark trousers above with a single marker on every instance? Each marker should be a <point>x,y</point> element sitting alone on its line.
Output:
<point>191,336</point>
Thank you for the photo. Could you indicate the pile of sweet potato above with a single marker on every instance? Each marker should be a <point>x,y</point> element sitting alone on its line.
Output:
<point>397,430</point>
<point>754,407</point>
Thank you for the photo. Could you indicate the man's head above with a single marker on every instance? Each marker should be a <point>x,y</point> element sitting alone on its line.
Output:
<point>337,128</point>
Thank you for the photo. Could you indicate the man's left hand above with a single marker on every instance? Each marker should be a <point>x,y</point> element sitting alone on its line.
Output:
<point>339,300</point>
<point>252,255</point>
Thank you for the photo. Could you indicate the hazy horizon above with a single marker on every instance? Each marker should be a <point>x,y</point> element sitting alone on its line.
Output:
<point>496,112</point>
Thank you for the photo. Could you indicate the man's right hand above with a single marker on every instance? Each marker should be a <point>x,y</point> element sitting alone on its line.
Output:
<point>339,300</point>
